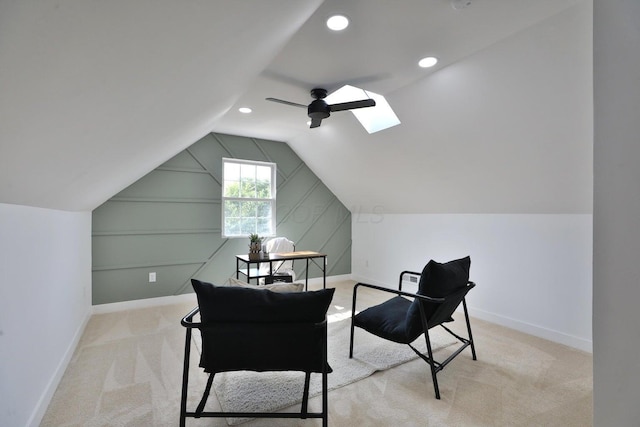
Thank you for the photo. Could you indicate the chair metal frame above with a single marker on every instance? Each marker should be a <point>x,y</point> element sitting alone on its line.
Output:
<point>434,365</point>
<point>189,324</point>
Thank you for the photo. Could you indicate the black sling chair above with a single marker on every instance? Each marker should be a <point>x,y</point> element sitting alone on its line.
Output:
<point>441,289</point>
<point>258,330</point>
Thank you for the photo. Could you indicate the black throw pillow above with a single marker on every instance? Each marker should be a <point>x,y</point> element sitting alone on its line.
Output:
<point>261,330</point>
<point>441,279</point>
<point>437,280</point>
<point>236,304</point>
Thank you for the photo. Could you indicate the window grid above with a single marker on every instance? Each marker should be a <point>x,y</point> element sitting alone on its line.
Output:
<point>248,198</point>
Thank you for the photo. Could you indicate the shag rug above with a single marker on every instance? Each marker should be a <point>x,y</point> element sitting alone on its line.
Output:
<point>246,391</point>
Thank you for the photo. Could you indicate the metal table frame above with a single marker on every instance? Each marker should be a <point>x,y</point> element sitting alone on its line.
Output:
<point>276,257</point>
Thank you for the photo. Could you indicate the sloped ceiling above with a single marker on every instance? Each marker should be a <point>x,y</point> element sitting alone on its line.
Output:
<point>97,94</point>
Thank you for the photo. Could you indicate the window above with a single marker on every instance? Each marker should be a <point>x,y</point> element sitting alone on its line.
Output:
<point>248,198</point>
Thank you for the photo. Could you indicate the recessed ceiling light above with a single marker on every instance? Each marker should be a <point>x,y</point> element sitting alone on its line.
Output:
<point>244,110</point>
<point>337,22</point>
<point>427,62</point>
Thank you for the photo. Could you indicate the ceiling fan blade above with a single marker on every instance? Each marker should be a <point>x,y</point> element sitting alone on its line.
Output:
<point>315,123</point>
<point>282,101</point>
<point>352,105</point>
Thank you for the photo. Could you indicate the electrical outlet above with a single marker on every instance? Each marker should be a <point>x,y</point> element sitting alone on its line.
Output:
<point>152,277</point>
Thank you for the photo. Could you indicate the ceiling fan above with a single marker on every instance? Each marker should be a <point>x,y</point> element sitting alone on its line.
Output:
<point>319,109</point>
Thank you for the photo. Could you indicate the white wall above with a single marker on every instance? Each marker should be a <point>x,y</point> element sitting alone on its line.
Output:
<point>533,272</point>
<point>495,161</point>
<point>616,248</point>
<point>45,301</point>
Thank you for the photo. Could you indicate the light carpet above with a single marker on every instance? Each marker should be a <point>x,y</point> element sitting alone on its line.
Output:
<point>127,372</point>
<point>271,391</point>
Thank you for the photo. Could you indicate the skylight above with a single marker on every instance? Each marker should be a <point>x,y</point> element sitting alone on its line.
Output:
<point>373,119</point>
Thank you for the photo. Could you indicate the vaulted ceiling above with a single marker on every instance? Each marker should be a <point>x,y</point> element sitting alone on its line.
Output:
<point>94,95</point>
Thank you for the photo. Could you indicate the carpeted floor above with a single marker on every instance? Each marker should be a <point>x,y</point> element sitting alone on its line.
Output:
<point>126,371</point>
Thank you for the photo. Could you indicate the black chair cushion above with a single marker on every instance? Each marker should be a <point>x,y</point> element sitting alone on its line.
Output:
<point>387,320</point>
<point>261,330</point>
<point>438,280</point>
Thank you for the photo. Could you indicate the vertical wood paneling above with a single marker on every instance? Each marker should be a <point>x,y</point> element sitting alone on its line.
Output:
<point>169,222</point>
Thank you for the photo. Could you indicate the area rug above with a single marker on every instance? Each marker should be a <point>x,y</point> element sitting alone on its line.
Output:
<point>272,391</point>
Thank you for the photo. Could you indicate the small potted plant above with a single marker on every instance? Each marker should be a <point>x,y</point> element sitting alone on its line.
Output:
<point>255,246</point>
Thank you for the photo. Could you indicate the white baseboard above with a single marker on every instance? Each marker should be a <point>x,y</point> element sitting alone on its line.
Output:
<point>52,385</point>
<point>538,331</point>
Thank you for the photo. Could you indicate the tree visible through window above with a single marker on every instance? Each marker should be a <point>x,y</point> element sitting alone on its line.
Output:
<point>248,198</point>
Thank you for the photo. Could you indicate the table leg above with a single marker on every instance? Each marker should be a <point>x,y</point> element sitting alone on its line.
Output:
<point>324,273</point>
<point>270,272</point>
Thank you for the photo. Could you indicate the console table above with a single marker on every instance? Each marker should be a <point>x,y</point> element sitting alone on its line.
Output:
<point>254,273</point>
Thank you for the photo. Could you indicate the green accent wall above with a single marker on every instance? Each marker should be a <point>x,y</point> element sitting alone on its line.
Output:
<point>169,222</point>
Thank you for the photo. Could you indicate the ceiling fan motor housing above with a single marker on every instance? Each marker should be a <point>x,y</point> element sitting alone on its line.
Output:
<point>318,109</point>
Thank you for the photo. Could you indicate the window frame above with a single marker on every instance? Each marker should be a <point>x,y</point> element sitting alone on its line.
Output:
<point>271,200</point>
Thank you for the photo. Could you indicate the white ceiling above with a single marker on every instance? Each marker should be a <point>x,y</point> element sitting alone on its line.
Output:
<point>97,94</point>
<point>378,51</point>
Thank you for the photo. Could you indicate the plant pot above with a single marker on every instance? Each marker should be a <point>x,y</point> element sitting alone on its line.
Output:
<point>253,256</point>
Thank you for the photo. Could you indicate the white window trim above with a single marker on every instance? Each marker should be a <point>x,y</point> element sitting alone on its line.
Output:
<point>272,200</point>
